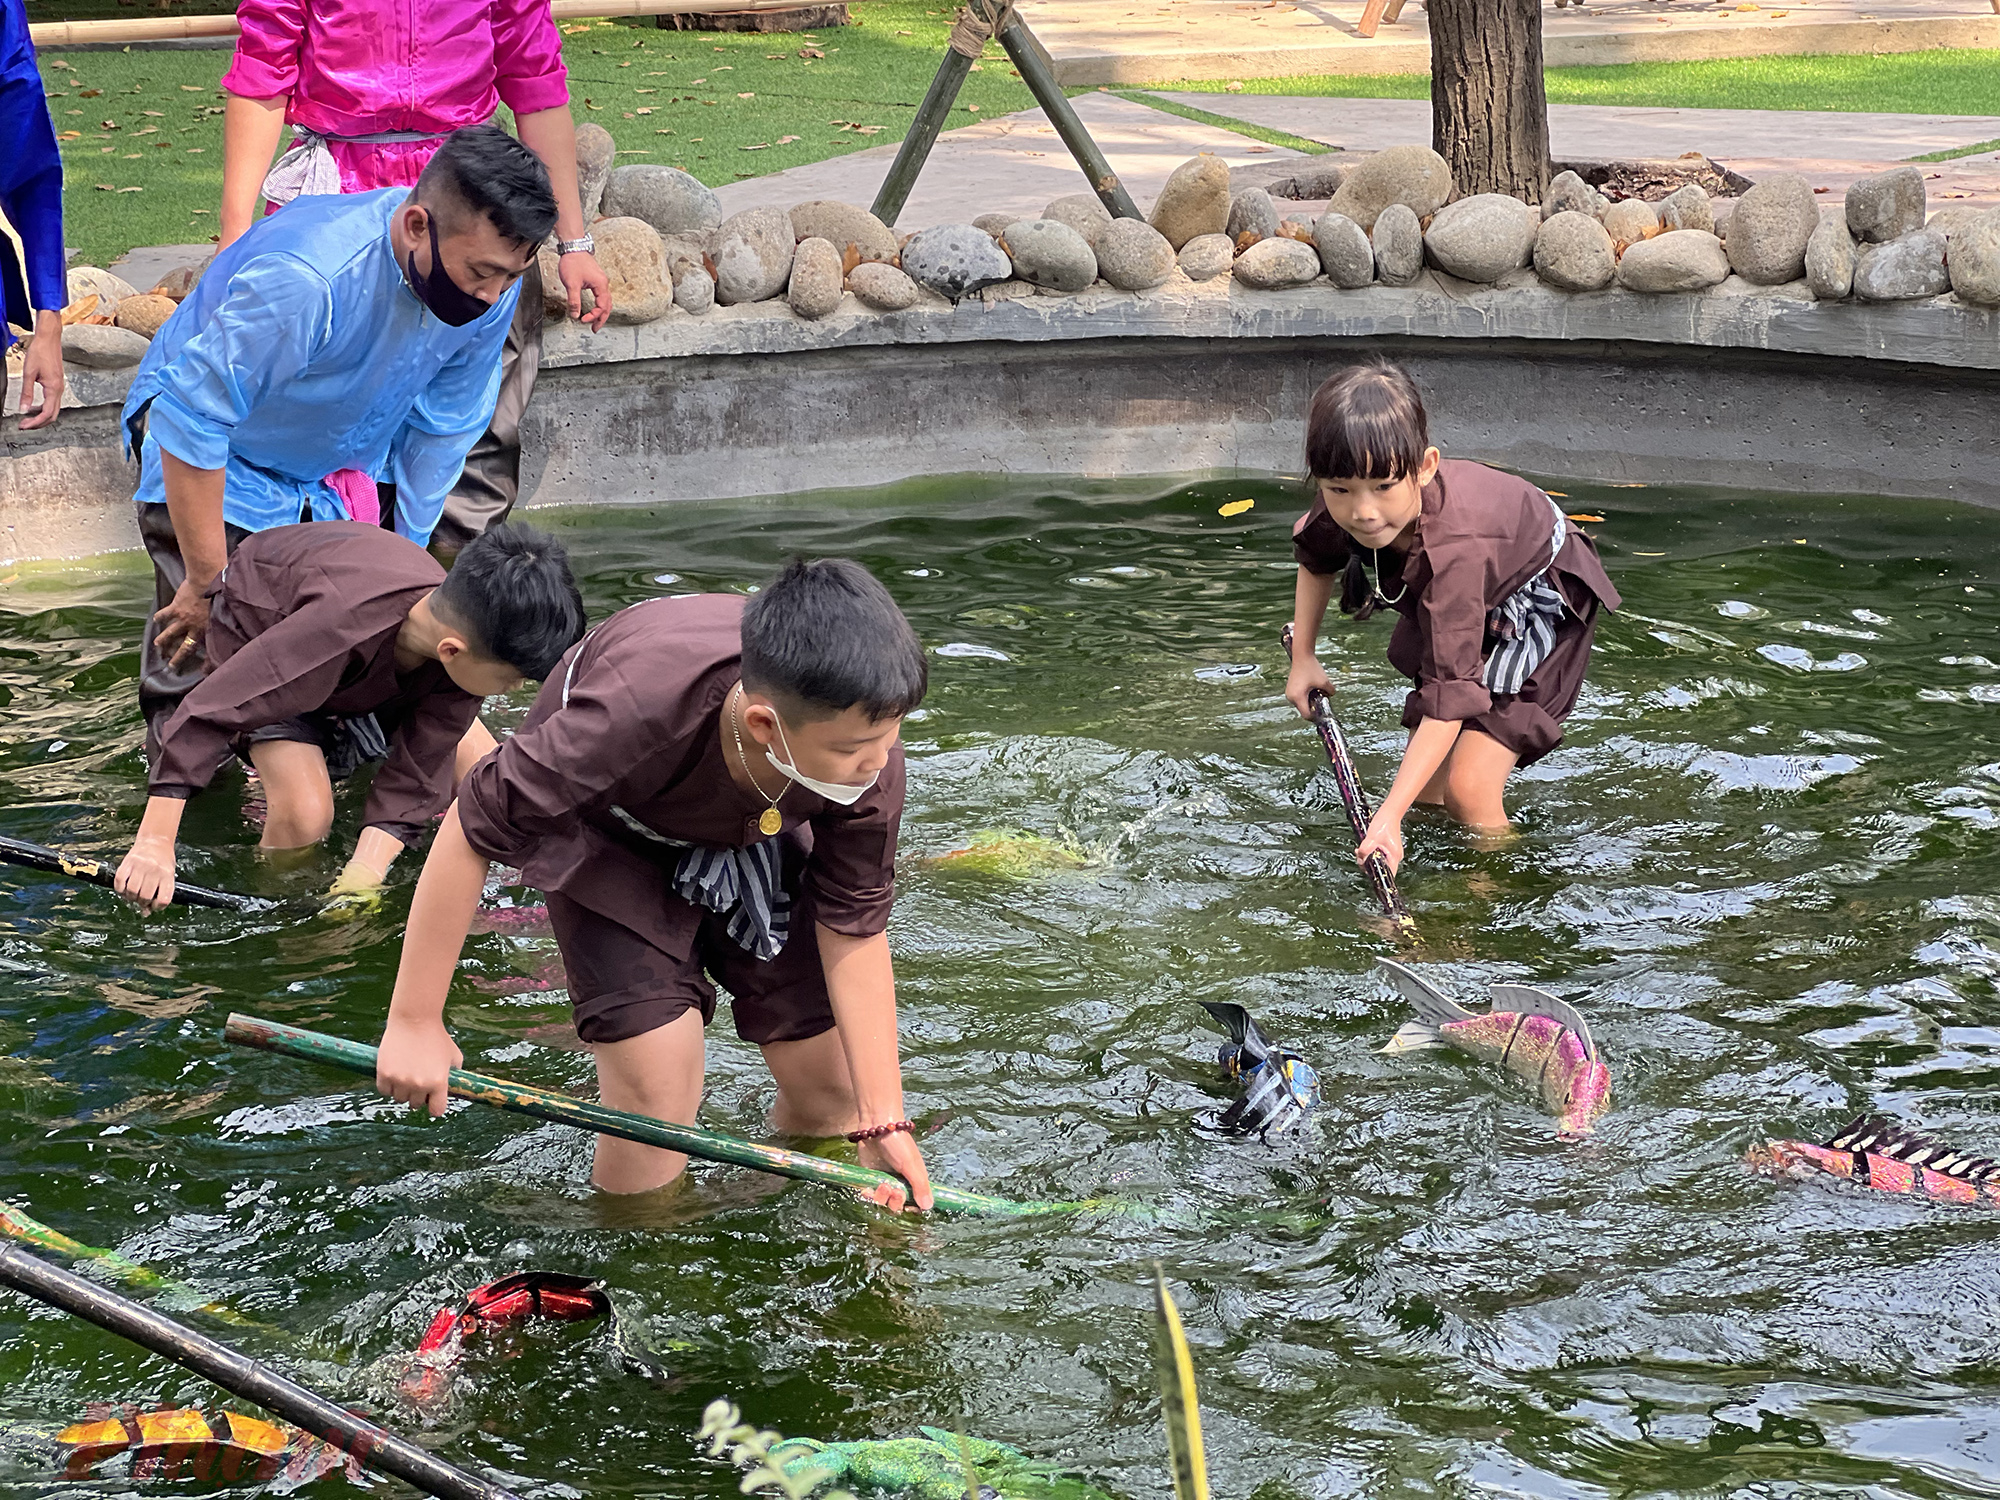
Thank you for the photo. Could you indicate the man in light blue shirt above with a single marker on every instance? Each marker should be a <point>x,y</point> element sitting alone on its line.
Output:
<point>357,333</point>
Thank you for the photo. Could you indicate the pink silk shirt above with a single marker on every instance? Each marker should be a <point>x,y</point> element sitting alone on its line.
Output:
<point>357,67</point>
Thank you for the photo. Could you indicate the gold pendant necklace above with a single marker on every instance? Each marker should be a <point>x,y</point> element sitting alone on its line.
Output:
<point>770,821</point>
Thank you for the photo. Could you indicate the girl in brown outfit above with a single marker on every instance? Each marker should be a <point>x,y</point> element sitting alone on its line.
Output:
<point>1496,596</point>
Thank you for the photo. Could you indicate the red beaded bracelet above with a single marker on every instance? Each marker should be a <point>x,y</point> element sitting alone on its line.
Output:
<point>876,1132</point>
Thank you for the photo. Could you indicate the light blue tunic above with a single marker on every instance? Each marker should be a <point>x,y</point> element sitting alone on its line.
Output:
<point>303,351</point>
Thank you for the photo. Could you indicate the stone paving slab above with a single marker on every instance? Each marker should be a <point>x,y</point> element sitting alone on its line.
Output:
<point>1593,130</point>
<point>1155,41</point>
<point>1015,164</point>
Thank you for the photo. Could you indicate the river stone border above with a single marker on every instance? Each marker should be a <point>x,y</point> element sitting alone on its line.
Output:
<point>1760,387</point>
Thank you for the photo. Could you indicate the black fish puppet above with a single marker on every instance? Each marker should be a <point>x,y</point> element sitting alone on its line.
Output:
<point>1279,1086</point>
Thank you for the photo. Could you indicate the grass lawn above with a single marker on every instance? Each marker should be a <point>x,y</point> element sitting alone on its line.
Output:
<point>143,157</point>
<point>1942,82</point>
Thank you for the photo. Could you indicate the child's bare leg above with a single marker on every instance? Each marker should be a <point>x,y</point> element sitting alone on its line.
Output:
<point>1433,794</point>
<point>656,1073</point>
<point>298,794</point>
<point>471,750</point>
<point>815,1094</point>
<point>1475,776</point>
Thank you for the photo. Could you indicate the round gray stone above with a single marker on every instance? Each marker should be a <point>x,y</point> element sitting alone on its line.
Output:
<point>1206,256</point>
<point>1412,175</point>
<point>1687,207</point>
<point>1681,260</point>
<point>1570,194</point>
<point>1316,179</point>
<point>1398,238</point>
<point>146,314</point>
<point>1194,202</point>
<point>1344,252</point>
<point>100,346</point>
<point>1252,212</point>
<point>635,262</point>
<point>1574,251</point>
<point>1083,212</point>
<point>596,154</point>
<point>1975,260</point>
<point>694,290</point>
<point>555,296</point>
<point>816,285</point>
<point>1049,254</point>
<point>1276,265</point>
<point>1630,220</point>
<point>995,224</point>
<point>1769,227</point>
<point>110,290</point>
<point>954,260</point>
<point>1953,217</point>
<point>665,197</point>
<point>841,225</point>
<point>1132,255</point>
<point>883,288</point>
<point>1483,237</point>
<point>1886,206</point>
<point>182,280</point>
<point>1903,270</point>
<point>752,255</point>
<point>1830,261</point>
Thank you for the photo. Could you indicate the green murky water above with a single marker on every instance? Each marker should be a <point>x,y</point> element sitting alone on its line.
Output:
<point>1766,862</point>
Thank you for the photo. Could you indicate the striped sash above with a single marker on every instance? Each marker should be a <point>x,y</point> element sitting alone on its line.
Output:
<point>746,887</point>
<point>1525,623</point>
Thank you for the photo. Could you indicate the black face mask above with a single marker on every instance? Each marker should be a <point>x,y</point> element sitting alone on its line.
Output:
<point>453,304</point>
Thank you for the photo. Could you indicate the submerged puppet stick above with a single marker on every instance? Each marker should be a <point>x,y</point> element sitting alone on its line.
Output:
<point>96,872</point>
<point>547,1104</point>
<point>242,1376</point>
<point>1359,810</point>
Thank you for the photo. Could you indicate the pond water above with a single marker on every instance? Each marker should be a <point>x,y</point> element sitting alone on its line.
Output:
<point>1765,863</point>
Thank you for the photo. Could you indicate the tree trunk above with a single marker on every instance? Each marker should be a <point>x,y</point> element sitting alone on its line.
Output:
<point>1489,116</point>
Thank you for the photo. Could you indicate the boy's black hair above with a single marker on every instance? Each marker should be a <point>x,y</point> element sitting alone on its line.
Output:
<point>484,169</point>
<point>1367,422</point>
<point>511,592</point>
<point>826,636</point>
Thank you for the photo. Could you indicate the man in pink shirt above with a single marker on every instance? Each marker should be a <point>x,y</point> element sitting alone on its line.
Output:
<point>370,88</point>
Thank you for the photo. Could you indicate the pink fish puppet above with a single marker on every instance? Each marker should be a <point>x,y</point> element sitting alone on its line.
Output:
<point>1529,1032</point>
<point>1888,1157</point>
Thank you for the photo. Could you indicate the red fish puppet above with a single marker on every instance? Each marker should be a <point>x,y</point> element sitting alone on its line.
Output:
<point>1878,1153</point>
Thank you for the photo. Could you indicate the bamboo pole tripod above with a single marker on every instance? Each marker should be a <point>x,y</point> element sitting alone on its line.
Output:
<point>978,21</point>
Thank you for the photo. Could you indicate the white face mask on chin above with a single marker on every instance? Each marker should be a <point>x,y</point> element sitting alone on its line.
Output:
<point>846,794</point>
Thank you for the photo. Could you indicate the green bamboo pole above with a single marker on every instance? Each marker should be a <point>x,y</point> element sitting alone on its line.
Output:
<point>547,1104</point>
<point>916,147</point>
<point>17,1224</point>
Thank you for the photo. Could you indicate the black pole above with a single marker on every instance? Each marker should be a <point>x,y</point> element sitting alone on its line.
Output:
<point>1353,798</point>
<point>96,872</point>
<point>242,1376</point>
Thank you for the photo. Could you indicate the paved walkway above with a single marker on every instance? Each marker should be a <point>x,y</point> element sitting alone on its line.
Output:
<point>1158,41</point>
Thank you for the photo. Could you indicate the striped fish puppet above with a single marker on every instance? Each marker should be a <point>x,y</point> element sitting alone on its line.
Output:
<point>1279,1087</point>
<point>1529,1032</point>
<point>1890,1158</point>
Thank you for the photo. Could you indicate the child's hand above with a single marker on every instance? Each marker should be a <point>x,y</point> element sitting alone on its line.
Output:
<point>1306,677</point>
<point>146,876</point>
<point>1385,837</point>
<point>898,1153</point>
<point>357,891</point>
<point>413,1062</point>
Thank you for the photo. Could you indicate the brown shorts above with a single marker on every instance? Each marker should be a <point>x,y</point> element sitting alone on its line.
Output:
<point>621,986</point>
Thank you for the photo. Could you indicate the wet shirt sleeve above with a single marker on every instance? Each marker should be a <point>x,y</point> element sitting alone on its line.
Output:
<point>414,784</point>
<point>1318,542</point>
<point>262,334</point>
<point>449,415</point>
<point>852,869</point>
<point>527,57</point>
<point>266,65</point>
<point>1451,621</point>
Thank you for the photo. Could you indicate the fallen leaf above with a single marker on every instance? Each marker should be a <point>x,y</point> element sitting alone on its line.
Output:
<point>70,135</point>
<point>196,151</point>
<point>693,81</point>
<point>147,130</point>
<point>1236,507</point>
<point>786,140</point>
<point>104,187</point>
<point>815,52</point>
<point>1232,88</point>
<point>663,132</point>
<point>746,96</point>
<point>1258,150</point>
<point>588,104</point>
<point>152,114</point>
<point>1588,520</point>
<point>644,109</point>
<point>972,109</point>
<point>132,190</point>
<point>80,309</point>
<point>110,125</point>
<point>764,146</point>
<point>193,88</point>
<point>1649,554</point>
<point>89,93</point>
<point>1557,494</point>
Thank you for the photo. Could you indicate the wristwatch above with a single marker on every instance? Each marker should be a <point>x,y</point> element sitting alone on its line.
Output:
<point>584,246</point>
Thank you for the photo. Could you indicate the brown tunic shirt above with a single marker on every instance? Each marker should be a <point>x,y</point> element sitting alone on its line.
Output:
<point>1481,535</point>
<point>304,620</point>
<point>642,733</point>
